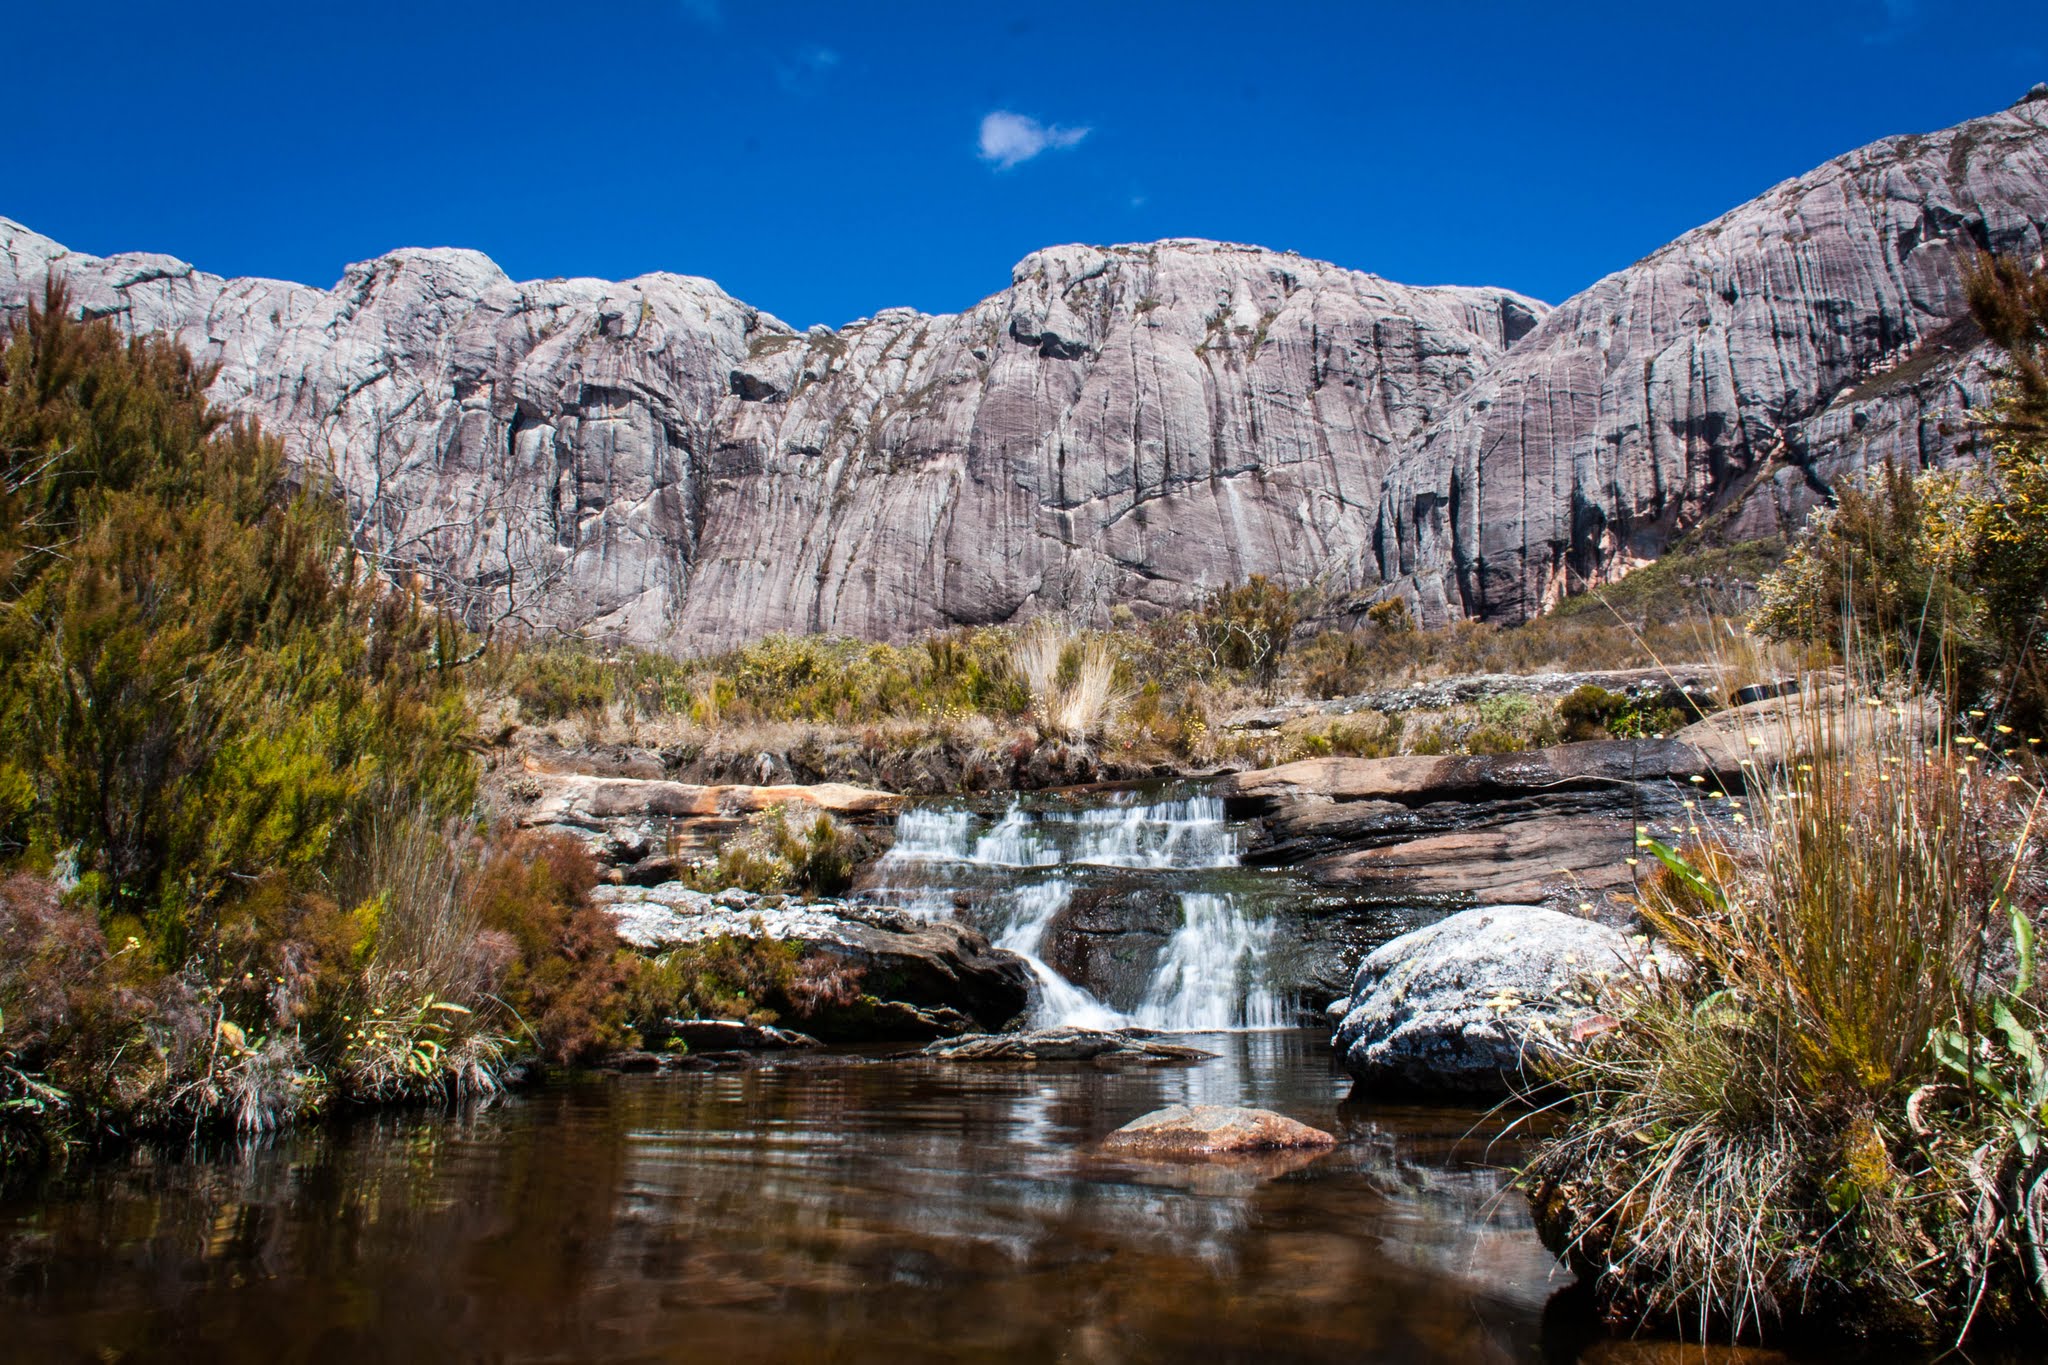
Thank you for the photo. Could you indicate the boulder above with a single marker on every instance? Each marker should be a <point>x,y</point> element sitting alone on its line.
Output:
<point>1064,1044</point>
<point>1469,1004</point>
<point>1213,1130</point>
<point>1107,939</point>
<point>918,978</point>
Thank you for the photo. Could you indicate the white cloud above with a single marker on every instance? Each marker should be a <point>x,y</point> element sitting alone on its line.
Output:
<point>1008,139</point>
<point>810,65</point>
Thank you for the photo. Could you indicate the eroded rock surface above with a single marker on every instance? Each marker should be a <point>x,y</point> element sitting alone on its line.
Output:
<point>656,460</point>
<point>1212,1130</point>
<point>1728,378</point>
<point>916,978</point>
<point>1472,1003</point>
<point>1485,829</point>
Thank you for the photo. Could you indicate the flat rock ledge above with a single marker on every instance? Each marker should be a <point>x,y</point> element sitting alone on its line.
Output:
<point>1203,1130</point>
<point>734,1035</point>
<point>1474,1003</point>
<point>1068,1044</point>
<point>917,978</point>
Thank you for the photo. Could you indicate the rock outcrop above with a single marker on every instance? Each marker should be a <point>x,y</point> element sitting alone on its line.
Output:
<point>1483,829</point>
<point>1471,1003</point>
<point>1731,377</point>
<point>913,978</point>
<point>656,461</point>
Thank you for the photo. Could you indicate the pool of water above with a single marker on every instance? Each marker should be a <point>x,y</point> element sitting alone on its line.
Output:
<point>834,1211</point>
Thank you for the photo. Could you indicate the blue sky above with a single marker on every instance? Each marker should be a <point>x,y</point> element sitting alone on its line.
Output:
<point>824,161</point>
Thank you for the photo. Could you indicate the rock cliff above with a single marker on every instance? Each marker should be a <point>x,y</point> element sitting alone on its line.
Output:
<point>1730,377</point>
<point>655,460</point>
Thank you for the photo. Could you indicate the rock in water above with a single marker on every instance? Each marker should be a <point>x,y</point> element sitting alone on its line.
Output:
<point>733,1035</point>
<point>1211,1130</point>
<point>1065,1044</point>
<point>1469,1003</point>
<point>914,978</point>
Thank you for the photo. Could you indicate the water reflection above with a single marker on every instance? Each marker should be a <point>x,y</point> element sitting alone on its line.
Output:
<point>900,1212</point>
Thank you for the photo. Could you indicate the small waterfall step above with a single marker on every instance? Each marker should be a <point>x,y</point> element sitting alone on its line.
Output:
<point>1018,873</point>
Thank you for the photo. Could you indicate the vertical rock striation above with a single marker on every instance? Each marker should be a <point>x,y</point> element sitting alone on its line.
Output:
<point>658,462</point>
<point>1727,379</point>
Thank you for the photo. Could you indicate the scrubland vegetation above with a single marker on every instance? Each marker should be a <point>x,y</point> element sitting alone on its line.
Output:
<point>245,875</point>
<point>1131,697</point>
<point>1834,1114</point>
<point>237,788</point>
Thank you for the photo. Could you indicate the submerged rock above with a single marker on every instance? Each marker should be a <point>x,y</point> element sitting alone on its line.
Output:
<point>1469,1003</point>
<point>1065,1044</point>
<point>1213,1129</point>
<point>914,978</point>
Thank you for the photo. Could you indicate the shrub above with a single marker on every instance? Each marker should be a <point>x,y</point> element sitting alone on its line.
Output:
<point>810,854</point>
<point>1587,712</point>
<point>565,983</point>
<point>756,980</point>
<point>1391,616</point>
<point>1248,626</point>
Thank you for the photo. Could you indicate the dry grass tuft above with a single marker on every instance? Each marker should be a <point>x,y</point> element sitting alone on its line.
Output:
<point>1071,679</point>
<point>1740,1151</point>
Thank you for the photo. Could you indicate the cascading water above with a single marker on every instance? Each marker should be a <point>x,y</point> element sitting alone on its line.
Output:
<point>1016,875</point>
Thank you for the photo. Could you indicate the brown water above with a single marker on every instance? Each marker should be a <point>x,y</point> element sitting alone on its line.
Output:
<point>903,1212</point>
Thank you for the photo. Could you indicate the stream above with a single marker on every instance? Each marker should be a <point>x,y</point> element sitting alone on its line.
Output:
<point>1132,912</point>
<point>840,1207</point>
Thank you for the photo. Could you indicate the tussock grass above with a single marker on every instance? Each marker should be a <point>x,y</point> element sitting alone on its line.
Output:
<point>1771,1137</point>
<point>1071,678</point>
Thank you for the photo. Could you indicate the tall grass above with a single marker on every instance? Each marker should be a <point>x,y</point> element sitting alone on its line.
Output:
<point>1071,679</point>
<point>1770,1136</point>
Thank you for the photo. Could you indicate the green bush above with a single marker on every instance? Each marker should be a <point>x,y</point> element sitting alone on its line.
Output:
<point>803,852</point>
<point>1247,627</point>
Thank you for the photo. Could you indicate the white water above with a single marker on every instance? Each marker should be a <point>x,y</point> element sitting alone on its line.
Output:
<point>1212,973</point>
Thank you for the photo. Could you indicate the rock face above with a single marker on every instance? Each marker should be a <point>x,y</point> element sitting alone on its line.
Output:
<point>1467,1004</point>
<point>917,978</point>
<point>657,461</point>
<point>1212,1130</point>
<point>1491,829</point>
<point>654,459</point>
<point>1729,377</point>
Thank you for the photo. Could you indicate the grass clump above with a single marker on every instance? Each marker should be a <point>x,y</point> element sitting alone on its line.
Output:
<point>782,850</point>
<point>1071,679</point>
<point>1771,1137</point>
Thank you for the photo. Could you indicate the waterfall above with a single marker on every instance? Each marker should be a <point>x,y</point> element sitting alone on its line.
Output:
<point>1212,974</point>
<point>1016,874</point>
